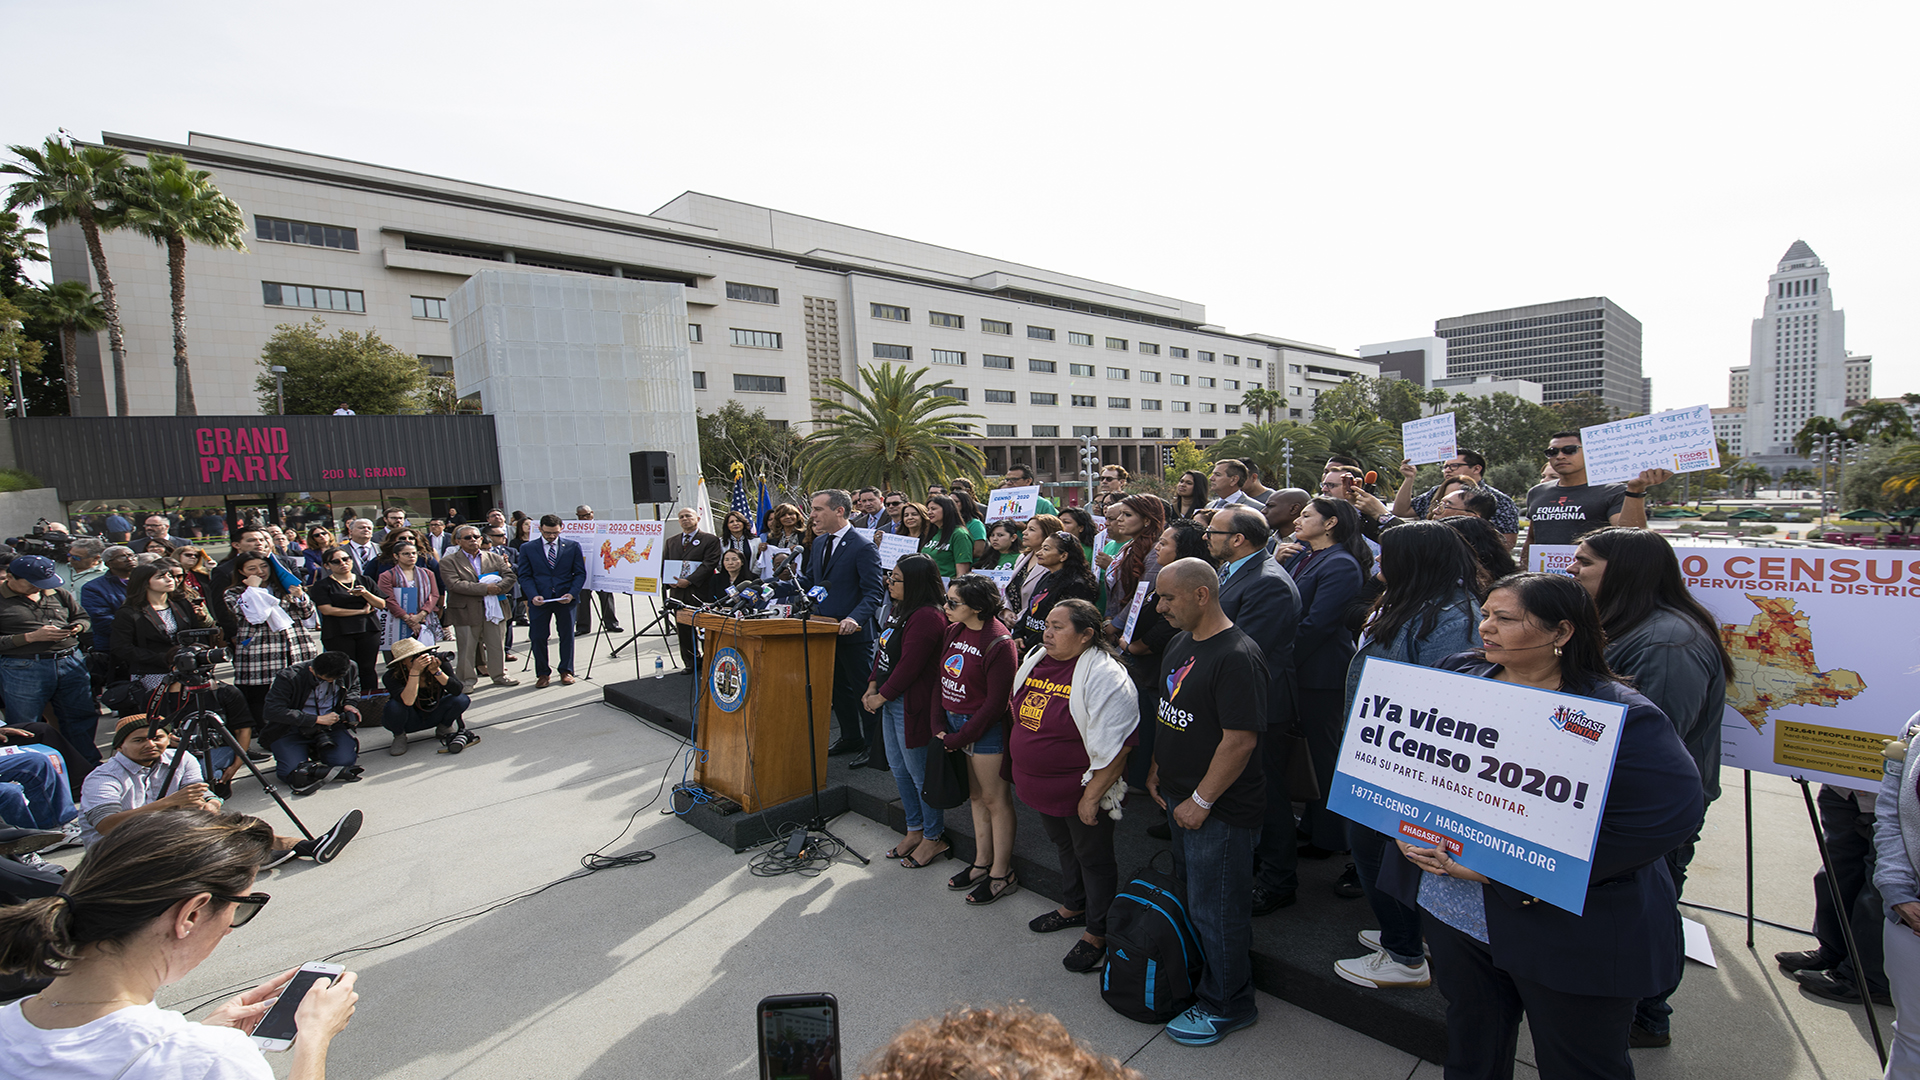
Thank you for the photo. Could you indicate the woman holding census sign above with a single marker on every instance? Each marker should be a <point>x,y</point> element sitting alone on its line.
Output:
<point>1668,646</point>
<point>1426,614</point>
<point>1498,953</point>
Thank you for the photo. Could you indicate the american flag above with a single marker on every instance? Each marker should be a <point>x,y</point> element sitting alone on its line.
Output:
<point>738,504</point>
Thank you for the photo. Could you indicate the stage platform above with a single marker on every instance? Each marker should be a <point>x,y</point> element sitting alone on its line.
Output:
<point>1293,949</point>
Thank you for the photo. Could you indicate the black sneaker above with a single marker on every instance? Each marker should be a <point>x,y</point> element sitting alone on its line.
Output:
<point>1640,1038</point>
<point>1811,960</point>
<point>258,756</point>
<point>1348,887</point>
<point>1162,831</point>
<point>1829,985</point>
<point>326,846</point>
<point>1267,901</point>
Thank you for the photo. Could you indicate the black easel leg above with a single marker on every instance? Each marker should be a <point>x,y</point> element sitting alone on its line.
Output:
<point>1846,922</point>
<point>1749,796</point>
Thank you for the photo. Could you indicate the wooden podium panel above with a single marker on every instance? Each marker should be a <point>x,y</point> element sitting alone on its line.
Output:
<point>753,717</point>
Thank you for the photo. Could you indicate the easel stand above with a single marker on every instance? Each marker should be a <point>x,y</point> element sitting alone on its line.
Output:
<point>1839,909</point>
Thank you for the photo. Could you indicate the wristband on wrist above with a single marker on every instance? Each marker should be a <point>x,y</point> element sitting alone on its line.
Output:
<point>1200,802</point>
<point>1636,494</point>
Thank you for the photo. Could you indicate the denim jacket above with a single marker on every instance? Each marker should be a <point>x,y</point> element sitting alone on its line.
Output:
<point>1456,630</point>
<point>1896,830</point>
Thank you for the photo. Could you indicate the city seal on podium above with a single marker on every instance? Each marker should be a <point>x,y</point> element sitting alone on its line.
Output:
<point>727,680</point>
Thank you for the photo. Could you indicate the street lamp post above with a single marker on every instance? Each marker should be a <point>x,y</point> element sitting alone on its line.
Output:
<point>1286,458</point>
<point>279,389</point>
<point>1090,462</point>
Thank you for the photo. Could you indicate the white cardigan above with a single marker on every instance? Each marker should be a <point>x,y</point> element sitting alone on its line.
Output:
<point>1104,705</point>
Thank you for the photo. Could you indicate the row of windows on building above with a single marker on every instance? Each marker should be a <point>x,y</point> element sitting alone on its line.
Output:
<point>951,321</point>
<point>1522,324</point>
<point>1052,431</point>
<point>1803,287</point>
<point>321,298</point>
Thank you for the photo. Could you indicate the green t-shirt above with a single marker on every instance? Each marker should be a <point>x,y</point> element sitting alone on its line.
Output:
<point>1044,506</point>
<point>1007,559</point>
<point>945,554</point>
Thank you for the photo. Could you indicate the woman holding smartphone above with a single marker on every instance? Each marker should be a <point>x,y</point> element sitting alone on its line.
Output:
<point>153,899</point>
<point>348,623</point>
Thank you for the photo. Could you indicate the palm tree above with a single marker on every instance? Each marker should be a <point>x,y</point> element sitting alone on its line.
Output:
<point>18,246</point>
<point>1800,478</point>
<point>895,433</point>
<point>1375,443</point>
<point>1906,476</point>
<point>74,183</point>
<point>1879,421</point>
<point>1267,445</point>
<point>172,204</point>
<point>1814,427</point>
<point>1749,476</point>
<point>73,307</point>
<point>1262,402</point>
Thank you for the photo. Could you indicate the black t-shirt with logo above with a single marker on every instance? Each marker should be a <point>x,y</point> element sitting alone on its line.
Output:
<point>1558,515</point>
<point>1206,687</point>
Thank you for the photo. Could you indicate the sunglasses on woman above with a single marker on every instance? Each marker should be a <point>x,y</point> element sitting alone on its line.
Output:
<point>244,907</point>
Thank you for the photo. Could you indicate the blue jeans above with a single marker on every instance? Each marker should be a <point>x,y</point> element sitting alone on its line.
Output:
<point>909,767</point>
<point>1216,861</point>
<point>540,622</point>
<point>993,742</point>
<point>33,790</point>
<point>28,685</point>
<point>1399,924</point>
<point>289,751</point>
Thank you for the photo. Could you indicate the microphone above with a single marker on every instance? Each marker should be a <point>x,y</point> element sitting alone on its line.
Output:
<point>817,594</point>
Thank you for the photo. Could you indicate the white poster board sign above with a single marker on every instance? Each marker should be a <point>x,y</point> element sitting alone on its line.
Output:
<point>1429,439</point>
<point>622,556</point>
<point>1002,577</point>
<point>1823,642</point>
<point>1680,440</point>
<point>894,545</point>
<point>1513,780</point>
<point>1551,558</point>
<point>1015,504</point>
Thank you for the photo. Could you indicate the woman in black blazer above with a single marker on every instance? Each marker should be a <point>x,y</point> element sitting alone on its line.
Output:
<point>733,571</point>
<point>1498,953</point>
<point>1329,567</point>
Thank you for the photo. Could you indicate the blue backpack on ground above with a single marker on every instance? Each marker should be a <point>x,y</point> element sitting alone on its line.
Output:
<point>1153,955</point>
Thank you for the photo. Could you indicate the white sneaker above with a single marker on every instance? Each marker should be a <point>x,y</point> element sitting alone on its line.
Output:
<point>1383,972</point>
<point>1371,939</point>
<point>69,837</point>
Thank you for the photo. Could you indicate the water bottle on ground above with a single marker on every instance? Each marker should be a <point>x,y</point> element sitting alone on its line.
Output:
<point>659,667</point>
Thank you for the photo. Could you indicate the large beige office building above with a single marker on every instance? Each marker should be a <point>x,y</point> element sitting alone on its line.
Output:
<point>776,303</point>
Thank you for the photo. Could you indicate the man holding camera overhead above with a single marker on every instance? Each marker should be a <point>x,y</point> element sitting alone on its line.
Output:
<point>422,694</point>
<point>41,626</point>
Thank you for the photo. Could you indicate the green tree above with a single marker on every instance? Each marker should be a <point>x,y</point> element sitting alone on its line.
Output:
<point>1879,421</point>
<point>1261,402</point>
<point>1800,478</point>
<point>1749,477</point>
<point>1815,427</point>
<point>72,307</point>
<point>1902,481</point>
<point>173,205</point>
<point>1504,429</point>
<point>895,433</point>
<point>18,247</point>
<point>1587,410</point>
<point>1375,444</point>
<point>71,183</point>
<point>323,371</point>
<point>1267,445</point>
<point>767,451</point>
<point>1184,457</point>
<point>20,354</point>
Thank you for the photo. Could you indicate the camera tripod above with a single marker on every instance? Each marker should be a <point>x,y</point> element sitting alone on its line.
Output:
<point>662,622</point>
<point>803,610</point>
<point>200,728</point>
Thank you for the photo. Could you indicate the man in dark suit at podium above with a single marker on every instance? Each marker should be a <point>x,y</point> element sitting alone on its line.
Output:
<point>848,565</point>
<point>553,577</point>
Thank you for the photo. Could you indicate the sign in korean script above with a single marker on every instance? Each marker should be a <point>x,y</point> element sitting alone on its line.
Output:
<point>1679,440</point>
<point>1013,504</point>
<point>622,556</point>
<point>1511,779</point>
<point>1429,438</point>
<point>1826,655</point>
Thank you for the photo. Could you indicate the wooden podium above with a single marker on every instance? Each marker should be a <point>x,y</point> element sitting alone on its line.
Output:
<point>753,714</point>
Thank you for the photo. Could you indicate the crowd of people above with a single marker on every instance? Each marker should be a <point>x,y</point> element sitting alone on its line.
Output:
<point>1198,652</point>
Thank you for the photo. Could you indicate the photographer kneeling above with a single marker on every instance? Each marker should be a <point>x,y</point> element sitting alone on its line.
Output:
<point>422,694</point>
<point>309,723</point>
<point>150,903</point>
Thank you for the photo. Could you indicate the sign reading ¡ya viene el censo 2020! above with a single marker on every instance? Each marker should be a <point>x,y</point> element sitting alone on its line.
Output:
<point>1826,655</point>
<point>622,556</point>
<point>1511,779</point>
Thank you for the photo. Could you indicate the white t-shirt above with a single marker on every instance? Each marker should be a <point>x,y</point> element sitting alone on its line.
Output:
<point>185,1051</point>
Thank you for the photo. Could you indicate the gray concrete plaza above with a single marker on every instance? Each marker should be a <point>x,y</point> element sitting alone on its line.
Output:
<point>654,970</point>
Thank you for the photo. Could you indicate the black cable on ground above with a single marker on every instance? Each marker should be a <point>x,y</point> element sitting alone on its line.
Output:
<point>813,858</point>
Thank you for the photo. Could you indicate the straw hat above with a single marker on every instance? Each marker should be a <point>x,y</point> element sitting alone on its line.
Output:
<point>407,648</point>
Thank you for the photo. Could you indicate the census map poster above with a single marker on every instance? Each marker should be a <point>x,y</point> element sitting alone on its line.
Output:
<point>1511,779</point>
<point>622,556</point>
<point>1826,655</point>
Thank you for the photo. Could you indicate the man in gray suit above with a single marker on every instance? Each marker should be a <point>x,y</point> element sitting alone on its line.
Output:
<point>1226,482</point>
<point>1261,600</point>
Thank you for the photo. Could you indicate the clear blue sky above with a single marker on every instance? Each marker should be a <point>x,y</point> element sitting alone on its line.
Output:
<point>1336,173</point>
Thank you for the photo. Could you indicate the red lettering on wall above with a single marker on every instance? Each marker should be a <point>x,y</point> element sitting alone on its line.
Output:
<point>203,441</point>
<point>256,468</point>
<point>208,466</point>
<point>279,442</point>
<point>277,468</point>
<point>230,470</point>
<point>222,441</point>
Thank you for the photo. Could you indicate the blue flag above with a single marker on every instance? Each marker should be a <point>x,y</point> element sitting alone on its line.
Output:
<point>766,507</point>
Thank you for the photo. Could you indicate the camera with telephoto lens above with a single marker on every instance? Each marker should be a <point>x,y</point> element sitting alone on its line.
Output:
<point>42,541</point>
<point>196,657</point>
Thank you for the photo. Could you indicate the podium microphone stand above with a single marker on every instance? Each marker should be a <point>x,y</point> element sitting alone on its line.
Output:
<point>802,839</point>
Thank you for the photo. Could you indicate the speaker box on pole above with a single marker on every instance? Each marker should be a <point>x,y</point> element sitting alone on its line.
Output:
<point>652,476</point>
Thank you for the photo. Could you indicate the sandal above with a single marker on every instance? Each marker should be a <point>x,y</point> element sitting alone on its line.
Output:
<point>965,879</point>
<point>984,893</point>
<point>898,853</point>
<point>912,863</point>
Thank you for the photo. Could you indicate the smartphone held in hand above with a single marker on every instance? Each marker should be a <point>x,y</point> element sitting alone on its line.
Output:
<point>799,1037</point>
<point>276,1030</point>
